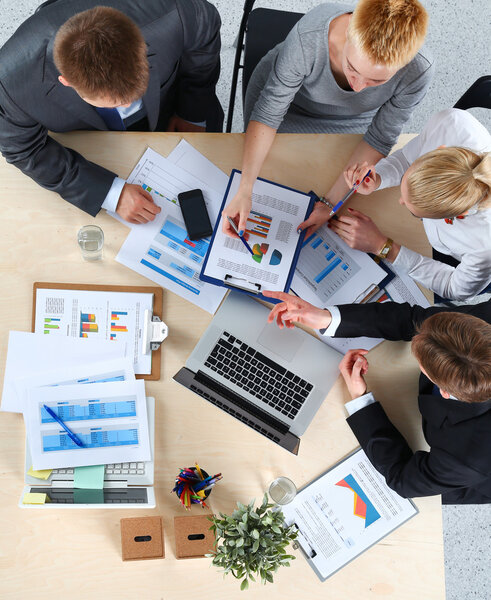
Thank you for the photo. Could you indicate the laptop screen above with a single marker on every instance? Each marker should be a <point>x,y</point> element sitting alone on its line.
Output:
<point>105,496</point>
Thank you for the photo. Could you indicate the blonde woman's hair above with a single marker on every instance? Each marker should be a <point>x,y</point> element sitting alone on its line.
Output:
<point>389,32</point>
<point>447,182</point>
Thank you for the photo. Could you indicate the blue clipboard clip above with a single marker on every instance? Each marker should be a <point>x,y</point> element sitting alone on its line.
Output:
<point>242,284</point>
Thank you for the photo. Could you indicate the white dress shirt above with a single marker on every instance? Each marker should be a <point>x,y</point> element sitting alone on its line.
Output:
<point>468,240</point>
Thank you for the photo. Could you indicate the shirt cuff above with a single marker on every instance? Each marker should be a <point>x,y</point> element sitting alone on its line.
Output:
<point>200,124</point>
<point>335,322</point>
<point>358,403</point>
<point>111,200</point>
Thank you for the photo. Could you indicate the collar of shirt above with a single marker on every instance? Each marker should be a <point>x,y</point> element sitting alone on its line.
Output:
<point>126,111</point>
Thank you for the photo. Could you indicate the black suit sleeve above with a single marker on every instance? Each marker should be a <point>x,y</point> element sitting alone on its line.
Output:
<point>26,144</point>
<point>394,321</point>
<point>199,66</point>
<point>409,474</point>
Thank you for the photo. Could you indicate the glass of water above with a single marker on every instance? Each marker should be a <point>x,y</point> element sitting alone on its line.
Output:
<point>282,490</point>
<point>91,240</point>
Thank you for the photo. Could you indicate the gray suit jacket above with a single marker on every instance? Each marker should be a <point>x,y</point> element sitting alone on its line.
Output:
<point>183,39</point>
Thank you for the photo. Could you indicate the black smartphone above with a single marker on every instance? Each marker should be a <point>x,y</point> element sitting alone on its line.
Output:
<point>195,214</point>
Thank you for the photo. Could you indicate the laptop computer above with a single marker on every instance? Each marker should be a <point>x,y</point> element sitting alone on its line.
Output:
<point>126,485</point>
<point>272,379</point>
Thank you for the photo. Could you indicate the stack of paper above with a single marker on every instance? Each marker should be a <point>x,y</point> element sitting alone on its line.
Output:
<point>97,399</point>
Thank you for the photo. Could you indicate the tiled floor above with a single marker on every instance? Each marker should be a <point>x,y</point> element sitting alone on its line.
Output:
<point>459,39</point>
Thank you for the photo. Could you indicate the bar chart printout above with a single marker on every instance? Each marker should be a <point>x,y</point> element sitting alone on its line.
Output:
<point>162,250</point>
<point>329,271</point>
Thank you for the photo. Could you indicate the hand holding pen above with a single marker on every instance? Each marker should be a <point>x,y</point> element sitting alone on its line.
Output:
<point>366,182</point>
<point>241,237</point>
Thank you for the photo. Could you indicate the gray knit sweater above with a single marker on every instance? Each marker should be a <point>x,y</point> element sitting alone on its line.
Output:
<point>301,75</point>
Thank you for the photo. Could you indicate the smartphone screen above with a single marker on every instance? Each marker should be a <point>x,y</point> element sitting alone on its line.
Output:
<point>195,214</point>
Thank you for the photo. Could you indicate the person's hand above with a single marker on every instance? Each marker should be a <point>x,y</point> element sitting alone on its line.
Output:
<point>318,217</point>
<point>353,366</point>
<point>237,209</point>
<point>354,174</point>
<point>293,309</point>
<point>177,124</point>
<point>136,205</point>
<point>359,231</point>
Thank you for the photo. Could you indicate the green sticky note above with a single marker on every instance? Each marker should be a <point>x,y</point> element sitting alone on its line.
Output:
<point>89,478</point>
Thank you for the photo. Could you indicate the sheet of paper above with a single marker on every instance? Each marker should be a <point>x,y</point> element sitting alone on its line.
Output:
<point>34,498</point>
<point>400,289</point>
<point>33,354</point>
<point>272,235</point>
<point>330,272</point>
<point>160,249</point>
<point>114,316</point>
<point>105,371</point>
<point>109,418</point>
<point>42,474</point>
<point>192,161</point>
<point>89,478</point>
<point>344,512</point>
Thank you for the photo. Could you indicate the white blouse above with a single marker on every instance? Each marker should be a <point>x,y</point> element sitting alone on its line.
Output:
<point>468,240</point>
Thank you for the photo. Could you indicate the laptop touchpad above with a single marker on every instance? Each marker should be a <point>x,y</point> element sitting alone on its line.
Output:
<point>284,343</point>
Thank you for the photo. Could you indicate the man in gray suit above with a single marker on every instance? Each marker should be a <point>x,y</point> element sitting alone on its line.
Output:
<point>74,65</point>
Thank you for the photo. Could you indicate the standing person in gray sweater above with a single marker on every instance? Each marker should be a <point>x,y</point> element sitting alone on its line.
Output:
<point>338,71</point>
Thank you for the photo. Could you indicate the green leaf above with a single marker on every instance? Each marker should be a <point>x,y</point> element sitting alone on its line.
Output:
<point>254,514</point>
<point>255,534</point>
<point>269,577</point>
<point>244,518</point>
<point>244,585</point>
<point>240,542</point>
<point>230,542</point>
<point>276,529</point>
<point>255,546</point>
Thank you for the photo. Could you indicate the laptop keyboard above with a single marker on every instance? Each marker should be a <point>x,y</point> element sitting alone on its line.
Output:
<point>133,468</point>
<point>257,374</point>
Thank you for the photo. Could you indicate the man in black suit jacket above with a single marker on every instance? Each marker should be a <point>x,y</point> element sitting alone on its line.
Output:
<point>454,341</point>
<point>180,43</point>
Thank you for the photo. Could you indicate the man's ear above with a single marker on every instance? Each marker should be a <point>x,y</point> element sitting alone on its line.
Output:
<point>444,394</point>
<point>63,81</point>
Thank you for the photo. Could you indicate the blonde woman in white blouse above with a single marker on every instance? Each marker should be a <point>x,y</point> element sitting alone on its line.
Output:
<point>445,179</point>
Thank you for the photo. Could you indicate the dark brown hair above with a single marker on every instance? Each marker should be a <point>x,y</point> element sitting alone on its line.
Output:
<point>455,351</point>
<point>102,53</point>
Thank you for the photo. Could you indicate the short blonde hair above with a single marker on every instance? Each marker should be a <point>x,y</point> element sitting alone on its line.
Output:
<point>455,351</point>
<point>447,182</point>
<point>389,32</point>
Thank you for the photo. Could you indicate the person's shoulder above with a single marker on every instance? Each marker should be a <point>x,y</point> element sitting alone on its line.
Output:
<point>317,20</point>
<point>461,128</point>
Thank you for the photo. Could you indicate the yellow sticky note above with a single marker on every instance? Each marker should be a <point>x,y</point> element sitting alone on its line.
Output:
<point>34,498</point>
<point>42,474</point>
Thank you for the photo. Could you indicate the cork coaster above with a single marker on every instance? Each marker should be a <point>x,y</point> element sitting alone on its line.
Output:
<point>193,536</point>
<point>141,538</point>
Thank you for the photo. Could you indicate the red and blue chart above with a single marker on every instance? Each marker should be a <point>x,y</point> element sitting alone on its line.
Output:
<point>258,224</point>
<point>362,507</point>
<point>260,250</point>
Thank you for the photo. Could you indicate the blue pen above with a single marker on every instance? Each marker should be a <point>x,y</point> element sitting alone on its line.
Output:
<point>347,196</point>
<point>71,435</point>
<point>234,227</point>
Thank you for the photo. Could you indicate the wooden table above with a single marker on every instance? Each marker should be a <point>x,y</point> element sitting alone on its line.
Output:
<point>76,554</point>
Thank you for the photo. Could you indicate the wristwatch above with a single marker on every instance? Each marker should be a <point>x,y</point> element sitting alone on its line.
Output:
<point>383,253</point>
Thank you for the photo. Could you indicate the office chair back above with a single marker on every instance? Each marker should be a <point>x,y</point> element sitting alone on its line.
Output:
<point>478,95</point>
<point>263,29</point>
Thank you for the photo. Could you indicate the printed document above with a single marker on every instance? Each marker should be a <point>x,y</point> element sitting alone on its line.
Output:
<point>271,233</point>
<point>330,272</point>
<point>344,512</point>
<point>34,354</point>
<point>161,249</point>
<point>401,288</point>
<point>113,316</point>
<point>109,418</point>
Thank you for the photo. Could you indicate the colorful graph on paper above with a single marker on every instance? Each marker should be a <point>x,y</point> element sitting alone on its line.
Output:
<point>119,321</point>
<point>88,324</point>
<point>362,506</point>
<point>51,323</point>
<point>258,224</point>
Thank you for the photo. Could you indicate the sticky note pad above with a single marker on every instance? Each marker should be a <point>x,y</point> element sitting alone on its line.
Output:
<point>89,478</point>
<point>42,474</point>
<point>34,498</point>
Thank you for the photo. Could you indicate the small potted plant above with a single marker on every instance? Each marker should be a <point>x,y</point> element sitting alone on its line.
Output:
<point>251,542</point>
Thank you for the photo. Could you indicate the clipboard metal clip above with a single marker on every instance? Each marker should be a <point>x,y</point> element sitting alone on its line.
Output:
<point>154,332</point>
<point>243,284</point>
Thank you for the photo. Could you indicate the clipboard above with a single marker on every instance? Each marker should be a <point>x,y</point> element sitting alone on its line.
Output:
<point>243,284</point>
<point>157,304</point>
<point>303,545</point>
